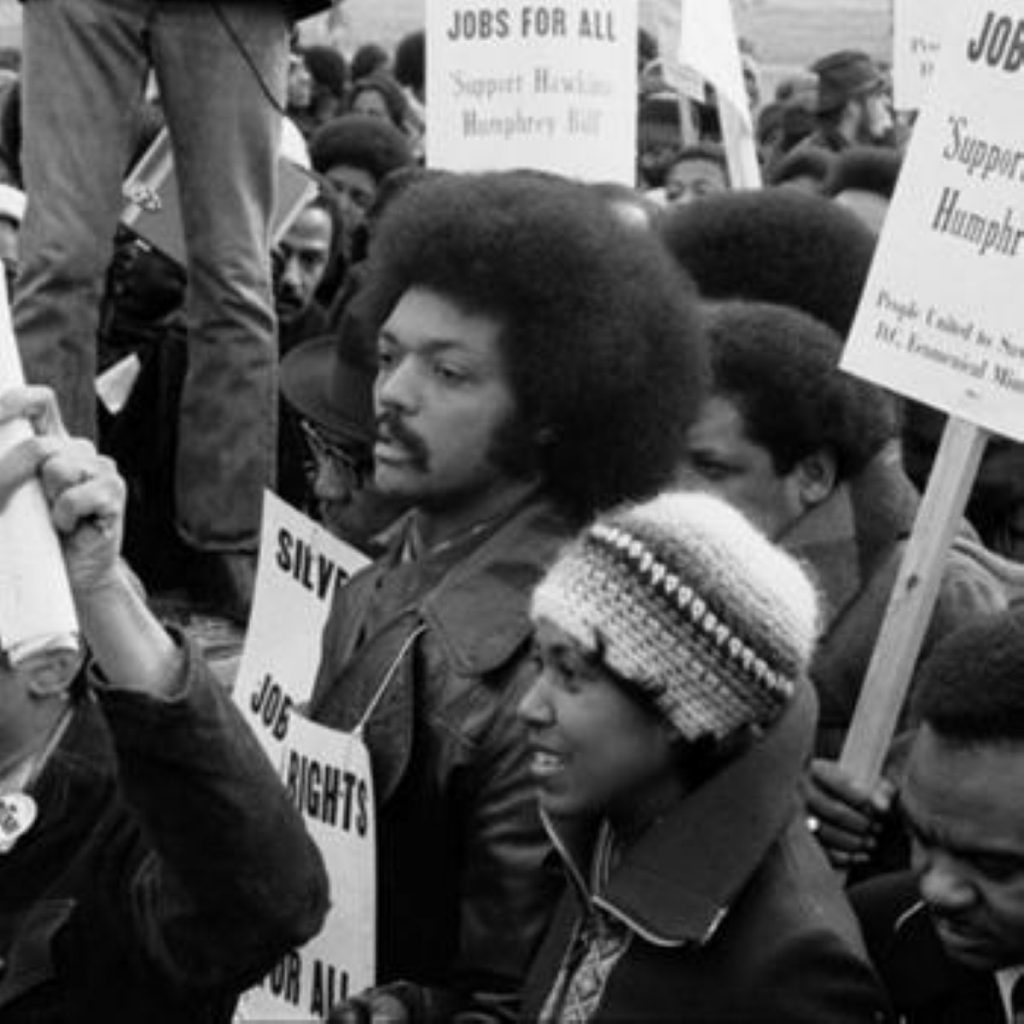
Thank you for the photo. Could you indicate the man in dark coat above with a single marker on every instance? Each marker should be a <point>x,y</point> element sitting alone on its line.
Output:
<point>949,938</point>
<point>537,360</point>
<point>151,864</point>
<point>826,448</point>
<point>807,451</point>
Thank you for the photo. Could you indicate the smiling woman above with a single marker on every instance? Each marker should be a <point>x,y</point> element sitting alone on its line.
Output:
<point>669,722</point>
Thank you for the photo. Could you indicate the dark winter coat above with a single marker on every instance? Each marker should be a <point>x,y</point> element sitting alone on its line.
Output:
<point>925,986</point>
<point>166,871</point>
<point>444,640</point>
<point>733,912</point>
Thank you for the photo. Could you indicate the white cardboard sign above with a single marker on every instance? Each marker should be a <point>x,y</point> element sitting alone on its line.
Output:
<point>918,27</point>
<point>301,566</point>
<point>708,44</point>
<point>941,319</point>
<point>549,85</point>
<point>327,773</point>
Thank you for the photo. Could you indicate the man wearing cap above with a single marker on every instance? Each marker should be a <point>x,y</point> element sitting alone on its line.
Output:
<point>852,104</point>
<point>536,357</point>
<point>327,387</point>
<point>669,725</point>
<point>948,938</point>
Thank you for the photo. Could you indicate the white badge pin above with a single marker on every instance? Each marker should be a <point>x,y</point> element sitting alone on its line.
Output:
<point>17,815</point>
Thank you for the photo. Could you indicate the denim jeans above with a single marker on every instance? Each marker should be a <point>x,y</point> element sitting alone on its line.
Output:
<point>84,72</point>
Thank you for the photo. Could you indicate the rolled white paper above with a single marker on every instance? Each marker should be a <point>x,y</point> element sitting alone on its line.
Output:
<point>37,611</point>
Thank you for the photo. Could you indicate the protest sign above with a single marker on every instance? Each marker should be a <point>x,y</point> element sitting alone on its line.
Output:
<point>549,85</point>
<point>37,612</point>
<point>708,44</point>
<point>301,566</point>
<point>668,26</point>
<point>939,320</point>
<point>327,773</point>
<point>153,199</point>
<point>918,26</point>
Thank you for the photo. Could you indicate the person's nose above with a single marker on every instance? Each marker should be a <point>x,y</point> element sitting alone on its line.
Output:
<point>398,385</point>
<point>535,707</point>
<point>944,883</point>
<point>291,276</point>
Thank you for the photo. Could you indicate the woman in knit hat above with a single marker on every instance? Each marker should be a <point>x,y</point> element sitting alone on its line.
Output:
<point>669,725</point>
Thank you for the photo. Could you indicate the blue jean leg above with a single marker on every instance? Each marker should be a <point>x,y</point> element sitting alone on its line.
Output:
<point>225,132</point>
<point>83,74</point>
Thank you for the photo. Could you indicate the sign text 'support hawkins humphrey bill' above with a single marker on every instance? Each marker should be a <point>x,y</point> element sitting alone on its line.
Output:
<point>942,310</point>
<point>545,85</point>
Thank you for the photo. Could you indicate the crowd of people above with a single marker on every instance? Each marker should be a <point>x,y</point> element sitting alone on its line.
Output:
<point>633,537</point>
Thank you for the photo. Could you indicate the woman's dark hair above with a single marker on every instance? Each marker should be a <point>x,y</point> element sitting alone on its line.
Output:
<point>411,61</point>
<point>368,58</point>
<point>389,90</point>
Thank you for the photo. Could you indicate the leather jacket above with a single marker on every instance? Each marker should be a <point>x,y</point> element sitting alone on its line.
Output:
<point>166,872</point>
<point>433,653</point>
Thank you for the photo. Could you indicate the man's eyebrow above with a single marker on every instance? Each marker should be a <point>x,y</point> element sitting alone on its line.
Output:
<point>430,345</point>
<point>936,837</point>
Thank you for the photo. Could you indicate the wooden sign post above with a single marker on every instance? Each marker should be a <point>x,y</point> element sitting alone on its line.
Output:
<point>940,319</point>
<point>913,598</point>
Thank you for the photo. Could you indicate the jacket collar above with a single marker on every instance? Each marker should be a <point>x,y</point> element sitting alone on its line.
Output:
<point>845,538</point>
<point>480,611</point>
<point>921,975</point>
<point>676,883</point>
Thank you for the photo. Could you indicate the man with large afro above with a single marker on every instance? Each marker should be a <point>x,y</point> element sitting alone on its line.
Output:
<point>775,245</point>
<point>538,362</point>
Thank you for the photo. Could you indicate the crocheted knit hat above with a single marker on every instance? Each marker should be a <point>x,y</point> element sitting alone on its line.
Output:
<point>685,599</point>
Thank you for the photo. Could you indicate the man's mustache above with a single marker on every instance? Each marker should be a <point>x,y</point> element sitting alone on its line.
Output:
<point>392,428</point>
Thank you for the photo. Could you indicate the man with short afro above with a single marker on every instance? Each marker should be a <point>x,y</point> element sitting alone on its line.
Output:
<point>776,245</point>
<point>948,937</point>
<point>538,362</point>
<point>808,452</point>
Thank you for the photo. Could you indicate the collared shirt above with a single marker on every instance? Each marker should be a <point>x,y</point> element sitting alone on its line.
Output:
<point>20,776</point>
<point>1006,979</point>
